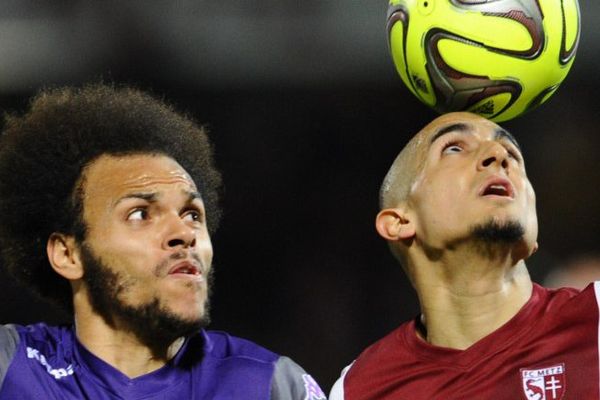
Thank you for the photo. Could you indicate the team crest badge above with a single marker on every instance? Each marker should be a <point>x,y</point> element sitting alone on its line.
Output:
<point>313,391</point>
<point>545,383</point>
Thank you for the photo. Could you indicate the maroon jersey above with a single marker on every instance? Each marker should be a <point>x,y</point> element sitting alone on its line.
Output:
<point>548,351</point>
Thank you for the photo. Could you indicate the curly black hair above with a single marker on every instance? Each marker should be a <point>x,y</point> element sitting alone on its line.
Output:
<point>44,152</point>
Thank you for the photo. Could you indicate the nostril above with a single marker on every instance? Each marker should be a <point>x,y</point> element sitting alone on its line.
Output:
<point>182,242</point>
<point>488,161</point>
<point>175,242</point>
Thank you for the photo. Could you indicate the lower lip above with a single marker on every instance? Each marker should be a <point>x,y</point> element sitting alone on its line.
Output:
<point>191,277</point>
<point>497,196</point>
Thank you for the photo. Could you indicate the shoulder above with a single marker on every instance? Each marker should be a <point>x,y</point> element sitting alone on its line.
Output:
<point>31,341</point>
<point>288,380</point>
<point>580,302</point>
<point>9,337</point>
<point>36,336</point>
<point>372,363</point>
<point>337,391</point>
<point>44,336</point>
<point>383,348</point>
<point>9,341</point>
<point>223,345</point>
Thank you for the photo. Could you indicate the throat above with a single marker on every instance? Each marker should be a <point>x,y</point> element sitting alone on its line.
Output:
<point>121,349</point>
<point>457,320</point>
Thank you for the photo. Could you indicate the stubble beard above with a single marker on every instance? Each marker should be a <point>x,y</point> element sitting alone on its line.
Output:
<point>495,238</point>
<point>151,322</point>
<point>493,232</point>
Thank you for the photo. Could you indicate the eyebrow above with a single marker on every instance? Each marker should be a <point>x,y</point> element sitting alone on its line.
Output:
<point>193,196</point>
<point>504,134</point>
<point>499,133</point>
<point>447,129</point>
<point>153,197</point>
<point>149,197</point>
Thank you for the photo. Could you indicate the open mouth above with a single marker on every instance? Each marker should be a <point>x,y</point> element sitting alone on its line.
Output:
<point>184,268</point>
<point>498,187</point>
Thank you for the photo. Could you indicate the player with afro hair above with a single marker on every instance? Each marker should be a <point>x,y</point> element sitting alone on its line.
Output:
<point>43,154</point>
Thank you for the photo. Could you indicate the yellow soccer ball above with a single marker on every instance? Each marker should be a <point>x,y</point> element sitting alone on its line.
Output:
<point>496,58</point>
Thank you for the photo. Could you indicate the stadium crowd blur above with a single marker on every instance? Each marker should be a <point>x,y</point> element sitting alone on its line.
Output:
<point>306,113</point>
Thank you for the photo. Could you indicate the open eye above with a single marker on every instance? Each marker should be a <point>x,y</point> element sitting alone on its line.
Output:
<point>452,147</point>
<point>139,214</point>
<point>192,216</point>
<point>514,154</point>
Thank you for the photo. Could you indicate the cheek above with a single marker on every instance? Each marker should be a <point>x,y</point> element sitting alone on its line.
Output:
<point>125,253</point>
<point>444,194</point>
<point>531,202</point>
<point>204,246</point>
<point>532,217</point>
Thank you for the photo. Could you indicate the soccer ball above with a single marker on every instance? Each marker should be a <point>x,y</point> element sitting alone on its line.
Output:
<point>496,58</point>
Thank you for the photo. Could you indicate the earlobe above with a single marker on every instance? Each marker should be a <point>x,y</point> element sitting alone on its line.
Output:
<point>63,255</point>
<point>393,224</point>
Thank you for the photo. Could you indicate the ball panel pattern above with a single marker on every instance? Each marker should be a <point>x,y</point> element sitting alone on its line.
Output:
<point>571,30</point>
<point>499,58</point>
<point>456,90</point>
<point>526,13</point>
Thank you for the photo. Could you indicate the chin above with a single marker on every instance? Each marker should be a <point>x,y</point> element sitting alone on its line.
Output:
<point>190,315</point>
<point>499,230</point>
<point>186,308</point>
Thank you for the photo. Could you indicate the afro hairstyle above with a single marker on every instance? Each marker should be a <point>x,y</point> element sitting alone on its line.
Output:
<point>44,152</point>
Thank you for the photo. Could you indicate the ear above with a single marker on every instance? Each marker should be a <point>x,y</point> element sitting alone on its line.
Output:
<point>63,254</point>
<point>393,224</point>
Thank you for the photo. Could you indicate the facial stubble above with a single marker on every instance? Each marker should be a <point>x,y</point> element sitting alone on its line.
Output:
<point>494,232</point>
<point>151,322</point>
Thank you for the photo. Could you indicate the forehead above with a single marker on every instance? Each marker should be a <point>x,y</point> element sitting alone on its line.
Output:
<point>463,123</point>
<point>115,175</point>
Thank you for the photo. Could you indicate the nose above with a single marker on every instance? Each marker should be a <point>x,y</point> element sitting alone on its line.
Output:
<point>178,234</point>
<point>494,154</point>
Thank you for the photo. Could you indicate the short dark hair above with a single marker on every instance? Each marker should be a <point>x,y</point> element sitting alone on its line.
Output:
<point>44,152</point>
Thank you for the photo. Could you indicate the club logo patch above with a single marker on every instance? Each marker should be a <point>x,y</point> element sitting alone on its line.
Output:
<point>313,391</point>
<point>545,383</point>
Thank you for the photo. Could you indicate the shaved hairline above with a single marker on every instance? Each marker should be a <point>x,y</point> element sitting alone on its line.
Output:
<point>399,179</point>
<point>397,184</point>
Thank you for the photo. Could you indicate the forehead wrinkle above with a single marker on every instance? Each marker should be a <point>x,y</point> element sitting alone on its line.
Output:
<point>152,197</point>
<point>145,180</point>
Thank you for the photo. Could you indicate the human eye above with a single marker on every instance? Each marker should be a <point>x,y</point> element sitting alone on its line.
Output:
<point>515,154</point>
<point>452,147</point>
<point>193,215</point>
<point>138,214</point>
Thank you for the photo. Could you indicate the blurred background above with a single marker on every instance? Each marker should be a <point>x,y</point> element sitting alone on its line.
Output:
<point>307,113</point>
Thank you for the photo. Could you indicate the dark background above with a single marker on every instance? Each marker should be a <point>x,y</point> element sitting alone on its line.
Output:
<point>306,113</point>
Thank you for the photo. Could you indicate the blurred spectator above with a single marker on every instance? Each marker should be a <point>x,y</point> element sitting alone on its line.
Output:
<point>578,272</point>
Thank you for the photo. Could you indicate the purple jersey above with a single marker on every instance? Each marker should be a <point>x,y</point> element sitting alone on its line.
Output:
<point>46,362</point>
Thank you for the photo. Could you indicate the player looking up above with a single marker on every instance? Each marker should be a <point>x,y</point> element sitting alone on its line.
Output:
<point>458,213</point>
<point>107,197</point>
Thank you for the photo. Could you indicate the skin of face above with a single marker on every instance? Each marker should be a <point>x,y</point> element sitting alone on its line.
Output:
<point>146,222</point>
<point>463,156</point>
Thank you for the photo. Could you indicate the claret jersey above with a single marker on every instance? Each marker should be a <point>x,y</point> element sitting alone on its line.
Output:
<point>45,362</point>
<point>548,351</point>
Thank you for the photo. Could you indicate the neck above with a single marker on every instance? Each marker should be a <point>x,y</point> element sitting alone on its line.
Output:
<point>117,347</point>
<point>465,295</point>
